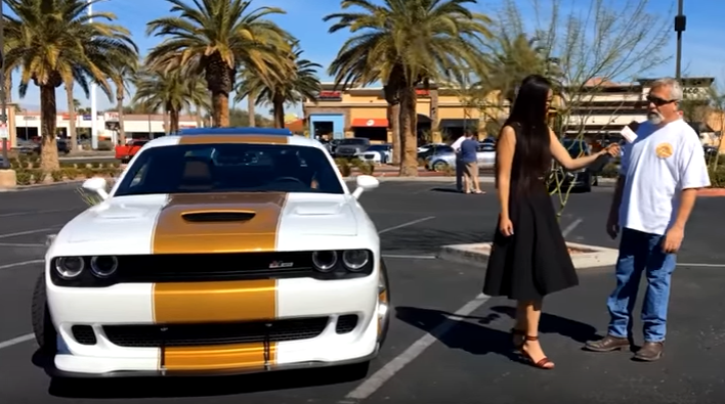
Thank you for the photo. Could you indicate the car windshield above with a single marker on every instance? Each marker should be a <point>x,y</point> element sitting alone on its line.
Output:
<point>230,167</point>
<point>576,148</point>
<point>353,141</point>
<point>378,147</point>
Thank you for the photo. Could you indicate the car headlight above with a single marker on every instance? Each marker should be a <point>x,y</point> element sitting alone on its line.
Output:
<point>105,266</point>
<point>355,260</point>
<point>69,267</point>
<point>324,261</point>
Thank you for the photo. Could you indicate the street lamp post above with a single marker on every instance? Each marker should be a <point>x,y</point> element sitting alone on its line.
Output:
<point>94,110</point>
<point>680,22</point>
<point>3,97</point>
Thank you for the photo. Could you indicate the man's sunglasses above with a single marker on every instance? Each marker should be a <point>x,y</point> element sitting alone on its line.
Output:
<point>658,101</point>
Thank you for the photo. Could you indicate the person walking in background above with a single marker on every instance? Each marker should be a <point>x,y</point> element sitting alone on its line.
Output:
<point>529,257</point>
<point>469,161</point>
<point>661,171</point>
<point>456,146</point>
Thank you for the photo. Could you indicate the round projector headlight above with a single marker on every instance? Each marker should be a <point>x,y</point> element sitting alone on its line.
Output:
<point>324,261</point>
<point>103,267</point>
<point>355,260</point>
<point>69,267</point>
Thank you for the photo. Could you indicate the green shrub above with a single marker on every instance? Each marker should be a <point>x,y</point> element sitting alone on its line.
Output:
<point>366,168</point>
<point>57,175</point>
<point>344,166</point>
<point>611,170</point>
<point>717,176</point>
<point>23,177</point>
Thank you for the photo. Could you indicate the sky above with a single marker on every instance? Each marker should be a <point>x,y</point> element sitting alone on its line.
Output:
<point>703,53</point>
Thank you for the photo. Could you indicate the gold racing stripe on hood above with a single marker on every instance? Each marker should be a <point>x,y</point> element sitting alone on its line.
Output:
<point>252,139</point>
<point>217,301</point>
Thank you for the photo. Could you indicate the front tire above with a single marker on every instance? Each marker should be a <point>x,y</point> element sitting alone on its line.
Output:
<point>440,166</point>
<point>43,328</point>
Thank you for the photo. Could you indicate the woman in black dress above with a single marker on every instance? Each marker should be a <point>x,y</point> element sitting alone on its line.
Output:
<point>529,257</point>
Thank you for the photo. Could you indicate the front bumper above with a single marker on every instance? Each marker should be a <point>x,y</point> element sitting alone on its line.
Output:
<point>231,302</point>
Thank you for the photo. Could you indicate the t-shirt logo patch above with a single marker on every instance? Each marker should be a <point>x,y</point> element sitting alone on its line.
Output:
<point>663,150</point>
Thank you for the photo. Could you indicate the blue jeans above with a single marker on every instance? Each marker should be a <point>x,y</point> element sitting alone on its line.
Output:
<point>640,252</point>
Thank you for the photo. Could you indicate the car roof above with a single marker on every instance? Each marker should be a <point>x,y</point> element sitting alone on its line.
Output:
<point>234,135</point>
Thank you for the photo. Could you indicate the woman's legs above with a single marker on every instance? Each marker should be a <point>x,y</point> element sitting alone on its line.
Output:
<point>530,312</point>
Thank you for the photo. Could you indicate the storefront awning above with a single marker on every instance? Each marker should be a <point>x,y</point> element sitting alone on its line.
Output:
<point>369,123</point>
<point>459,123</point>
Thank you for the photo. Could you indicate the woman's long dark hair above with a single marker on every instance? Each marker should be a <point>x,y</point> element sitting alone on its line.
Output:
<point>528,119</point>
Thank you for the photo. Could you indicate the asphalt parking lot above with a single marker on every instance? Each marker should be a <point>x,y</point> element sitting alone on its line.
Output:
<point>447,344</point>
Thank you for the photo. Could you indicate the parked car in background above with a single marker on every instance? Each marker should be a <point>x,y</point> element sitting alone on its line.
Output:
<point>349,148</point>
<point>125,152</point>
<point>579,180</point>
<point>377,154</point>
<point>427,150</point>
<point>445,158</point>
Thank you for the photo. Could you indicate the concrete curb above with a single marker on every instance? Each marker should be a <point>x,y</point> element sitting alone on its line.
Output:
<point>477,254</point>
<point>41,186</point>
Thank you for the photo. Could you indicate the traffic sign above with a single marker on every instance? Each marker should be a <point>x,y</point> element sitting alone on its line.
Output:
<point>3,130</point>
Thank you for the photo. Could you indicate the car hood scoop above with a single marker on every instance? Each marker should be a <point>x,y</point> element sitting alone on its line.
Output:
<point>218,217</point>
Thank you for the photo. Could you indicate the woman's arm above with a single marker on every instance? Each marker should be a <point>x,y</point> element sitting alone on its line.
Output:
<point>505,154</point>
<point>560,154</point>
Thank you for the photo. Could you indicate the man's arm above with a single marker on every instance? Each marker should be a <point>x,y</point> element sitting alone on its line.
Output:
<point>617,199</point>
<point>687,202</point>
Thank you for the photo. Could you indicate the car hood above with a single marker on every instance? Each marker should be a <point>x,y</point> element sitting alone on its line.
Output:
<point>222,222</point>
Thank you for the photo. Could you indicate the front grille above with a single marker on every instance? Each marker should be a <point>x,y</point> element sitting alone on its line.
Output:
<point>207,267</point>
<point>181,335</point>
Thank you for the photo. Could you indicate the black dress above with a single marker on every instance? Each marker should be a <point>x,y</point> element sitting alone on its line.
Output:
<point>534,261</point>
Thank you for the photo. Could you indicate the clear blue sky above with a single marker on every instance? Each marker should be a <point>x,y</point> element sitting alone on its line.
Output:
<point>703,53</point>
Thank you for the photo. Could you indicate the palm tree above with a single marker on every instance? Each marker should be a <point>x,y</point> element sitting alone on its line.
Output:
<point>297,85</point>
<point>170,91</point>
<point>54,42</point>
<point>216,38</point>
<point>406,43</point>
<point>122,76</point>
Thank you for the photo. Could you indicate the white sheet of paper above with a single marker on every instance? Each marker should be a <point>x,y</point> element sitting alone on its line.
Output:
<point>628,134</point>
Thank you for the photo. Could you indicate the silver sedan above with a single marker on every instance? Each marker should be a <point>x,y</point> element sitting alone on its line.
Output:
<point>445,158</point>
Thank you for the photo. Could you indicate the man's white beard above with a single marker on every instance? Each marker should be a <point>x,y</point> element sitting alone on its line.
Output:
<point>655,118</point>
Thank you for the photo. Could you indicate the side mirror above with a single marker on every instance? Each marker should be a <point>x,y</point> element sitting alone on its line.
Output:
<point>96,185</point>
<point>364,183</point>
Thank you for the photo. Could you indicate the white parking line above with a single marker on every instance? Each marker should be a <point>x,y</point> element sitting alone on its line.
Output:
<point>376,381</point>
<point>16,341</point>
<point>573,225</point>
<point>400,226</point>
<point>23,233</point>
<point>701,265</point>
<point>37,212</point>
<point>21,245</point>
<point>407,257</point>
<point>19,264</point>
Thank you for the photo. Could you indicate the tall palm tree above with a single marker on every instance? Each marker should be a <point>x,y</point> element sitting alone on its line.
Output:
<point>170,91</point>
<point>216,38</point>
<point>54,43</point>
<point>297,85</point>
<point>406,43</point>
<point>123,74</point>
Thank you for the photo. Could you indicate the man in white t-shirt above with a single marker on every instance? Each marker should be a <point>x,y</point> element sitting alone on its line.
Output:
<point>459,164</point>
<point>661,171</point>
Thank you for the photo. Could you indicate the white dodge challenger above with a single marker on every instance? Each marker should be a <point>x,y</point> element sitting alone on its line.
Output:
<point>217,251</point>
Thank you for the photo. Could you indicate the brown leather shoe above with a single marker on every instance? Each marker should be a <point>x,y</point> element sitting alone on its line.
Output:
<point>650,351</point>
<point>607,344</point>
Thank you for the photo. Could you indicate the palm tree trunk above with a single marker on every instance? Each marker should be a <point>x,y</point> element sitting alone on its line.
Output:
<point>278,105</point>
<point>220,109</point>
<point>167,127</point>
<point>48,116</point>
<point>250,109</point>
<point>395,125</point>
<point>174,121</point>
<point>119,109</point>
<point>408,133</point>
<point>72,132</point>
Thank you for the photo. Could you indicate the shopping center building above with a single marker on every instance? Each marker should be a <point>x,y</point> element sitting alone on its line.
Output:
<point>601,110</point>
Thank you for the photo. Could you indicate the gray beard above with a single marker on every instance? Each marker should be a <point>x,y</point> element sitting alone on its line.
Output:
<point>654,118</point>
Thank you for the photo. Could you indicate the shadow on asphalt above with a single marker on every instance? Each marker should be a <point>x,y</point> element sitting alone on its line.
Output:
<point>431,239</point>
<point>181,387</point>
<point>471,334</point>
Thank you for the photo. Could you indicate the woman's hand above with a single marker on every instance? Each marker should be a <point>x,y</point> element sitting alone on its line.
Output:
<point>613,150</point>
<point>506,227</point>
